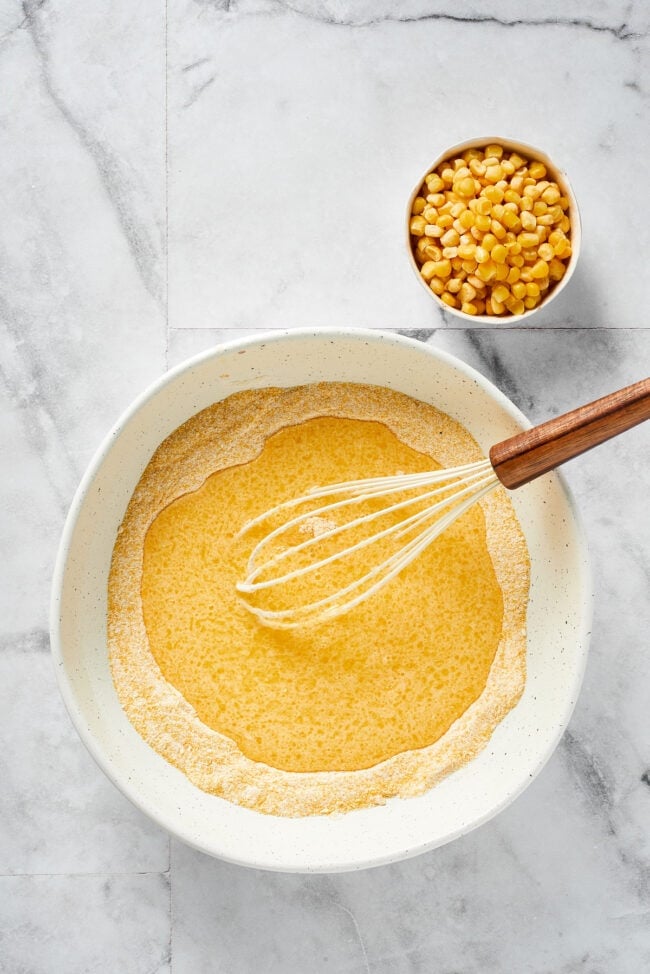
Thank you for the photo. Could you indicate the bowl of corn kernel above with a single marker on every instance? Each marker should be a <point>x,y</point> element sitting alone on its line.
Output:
<point>493,230</point>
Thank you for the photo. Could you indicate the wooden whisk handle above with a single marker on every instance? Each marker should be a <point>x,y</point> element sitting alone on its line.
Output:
<point>528,455</point>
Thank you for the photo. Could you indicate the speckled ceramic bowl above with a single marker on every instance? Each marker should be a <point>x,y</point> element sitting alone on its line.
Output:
<point>530,152</point>
<point>558,617</point>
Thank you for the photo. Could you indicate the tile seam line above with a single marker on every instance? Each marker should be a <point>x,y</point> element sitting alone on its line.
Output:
<point>91,875</point>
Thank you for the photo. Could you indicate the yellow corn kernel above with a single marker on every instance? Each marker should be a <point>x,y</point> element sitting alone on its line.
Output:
<point>551,194</point>
<point>437,286</point>
<point>466,219</point>
<point>436,199</point>
<point>515,307</point>
<point>450,239</point>
<point>532,192</point>
<point>492,193</point>
<point>516,260</point>
<point>526,276</point>
<point>517,184</point>
<point>527,240</point>
<point>510,196</point>
<point>556,269</point>
<point>539,208</point>
<point>513,275</point>
<point>532,289</point>
<point>498,229</point>
<point>530,303</point>
<point>482,223</point>
<point>502,272</point>
<point>563,248</point>
<point>494,149</point>
<point>467,292</point>
<point>468,308</point>
<point>430,213</point>
<point>476,282</point>
<point>498,253</point>
<point>417,225</point>
<point>433,230</point>
<point>469,266</point>
<point>454,285</point>
<point>466,251</point>
<point>481,255</point>
<point>464,186</point>
<point>507,167</point>
<point>500,293</point>
<point>462,172</point>
<point>477,167</point>
<point>445,221</point>
<point>450,252</point>
<point>511,220</point>
<point>449,299</point>
<point>526,204</point>
<point>546,252</point>
<point>458,227</point>
<point>487,272</point>
<point>418,205</point>
<point>555,236</point>
<point>457,209</point>
<point>518,290</point>
<point>516,160</point>
<point>480,306</point>
<point>488,307</point>
<point>489,240</point>
<point>497,307</point>
<point>539,269</point>
<point>498,209</point>
<point>456,265</point>
<point>545,220</point>
<point>528,220</point>
<point>431,252</point>
<point>483,205</point>
<point>537,170</point>
<point>477,234</point>
<point>434,182</point>
<point>565,224</point>
<point>442,268</point>
<point>428,270</point>
<point>466,238</point>
<point>447,176</point>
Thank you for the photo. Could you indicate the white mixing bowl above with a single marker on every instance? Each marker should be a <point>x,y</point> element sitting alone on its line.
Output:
<point>558,615</point>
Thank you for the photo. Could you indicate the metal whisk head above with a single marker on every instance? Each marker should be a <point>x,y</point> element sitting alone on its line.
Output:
<point>320,531</point>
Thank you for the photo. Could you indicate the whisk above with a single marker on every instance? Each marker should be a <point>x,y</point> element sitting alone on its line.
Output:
<point>439,496</point>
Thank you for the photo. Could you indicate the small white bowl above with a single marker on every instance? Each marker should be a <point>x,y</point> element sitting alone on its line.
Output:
<point>556,174</point>
<point>558,615</point>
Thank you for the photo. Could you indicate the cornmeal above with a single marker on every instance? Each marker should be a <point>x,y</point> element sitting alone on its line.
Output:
<point>385,700</point>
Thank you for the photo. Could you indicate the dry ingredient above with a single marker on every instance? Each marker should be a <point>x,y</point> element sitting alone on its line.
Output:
<point>490,232</point>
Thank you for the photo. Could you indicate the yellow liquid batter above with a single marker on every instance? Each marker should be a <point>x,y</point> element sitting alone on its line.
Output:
<point>390,676</point>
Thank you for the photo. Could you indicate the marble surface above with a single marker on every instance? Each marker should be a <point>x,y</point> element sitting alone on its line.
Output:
<point>176,174</point>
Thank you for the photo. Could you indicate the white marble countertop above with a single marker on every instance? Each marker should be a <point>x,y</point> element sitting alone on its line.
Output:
<point>176,173</point>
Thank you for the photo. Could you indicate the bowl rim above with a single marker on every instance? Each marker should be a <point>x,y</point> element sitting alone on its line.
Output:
<point>123,784</point>
<point>514,145</point>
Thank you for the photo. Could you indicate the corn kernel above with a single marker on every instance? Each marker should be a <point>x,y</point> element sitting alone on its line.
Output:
<point>518,290</point>
<point>539,269</point>
<point>480,306</point>
<point>497,307</point>
<point>418,205</point>
<point>477,167</point>
<point>513,275</point>
<point>565,224</point>
<point>430,213</point>
<point>498,229</point>
<point>516,160</point>
<point>487,272</point>
<point>432,252</point>
<point>527,240</point>
<point>468,308</point>
<point>469,266</point>
<point>483,223</point>
<point>437,286</point>
<point>532,289</point>
<point>499,253</point>
<point>436,199</point>
<point>539,208</point>
<point>467,292</point>
<point>517,184</point>
<point>450,238</point>
<point>516,260</point>
<point>507,166</point>
<point>481,255</point>
<point>464,186</point>
<point>428,270</point>
<point>456,264</point>
<point>511,220</point>
<point>493,193</point>
<point>537,170</point>
<point>556,269</point>
<point>450,252</point>
<point>526,204</point>
<point>434,183</point>
<point>442,268</point>
<point>433,230</point>
<point>500,293</point>
<point>546,252</point>
<point>447,176</point>
<point>483,206</point>
<point>476,282</point>
<point>494,149</point>
<point>458,227</point>
<point>551,194</point>
<point>466,251</point>
<point>528,220</point>
<point>515,307</point>
<point>457,209</point>
<point>449,299</point>
<point>530,303</point>
<point>417,225</point>
<point>454,285</point>
<point>466,219</point>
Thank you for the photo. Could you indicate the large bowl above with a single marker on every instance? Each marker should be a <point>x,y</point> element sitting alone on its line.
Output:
<point>558,614</point>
